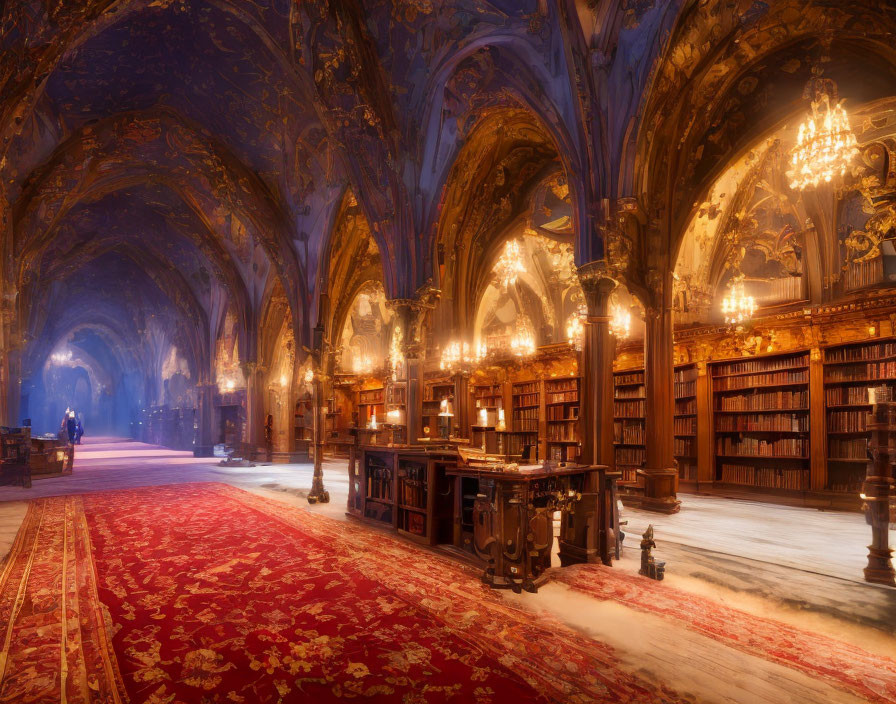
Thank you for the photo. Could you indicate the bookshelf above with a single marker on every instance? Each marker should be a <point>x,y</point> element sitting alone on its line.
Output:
<point>413,496</point>
<point>685,422</point>
<point>490,397</point>
<point>525,399</point>
<point>629,406</point>
<point>433,394</point>
<point>561,400</point>
<point>761,422</point>
<point>849,371</point>
<point>371,401</point>
<point>396,400</point>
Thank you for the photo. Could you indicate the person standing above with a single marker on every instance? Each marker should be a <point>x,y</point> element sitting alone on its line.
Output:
<point>71,427</point>
<point>79,430</point>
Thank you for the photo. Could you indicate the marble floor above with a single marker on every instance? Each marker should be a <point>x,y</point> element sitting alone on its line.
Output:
<point>798,565</point>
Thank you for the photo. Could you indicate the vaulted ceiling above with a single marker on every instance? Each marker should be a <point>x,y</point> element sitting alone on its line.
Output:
<point>184,159</point>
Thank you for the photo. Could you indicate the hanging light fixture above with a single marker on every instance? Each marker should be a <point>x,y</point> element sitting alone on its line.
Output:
<point>522,343</point>
<point>510,264</point>
<point>575,330</point>
<point>825,143</point>
<point>620,322</point>
<point>459,356</point>
<point>737,307</point>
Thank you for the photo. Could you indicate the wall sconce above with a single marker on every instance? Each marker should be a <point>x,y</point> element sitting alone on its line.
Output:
<point>309,375</point>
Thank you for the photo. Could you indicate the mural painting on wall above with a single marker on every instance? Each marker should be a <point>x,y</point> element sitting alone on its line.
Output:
<point>366,333</point>
<point>178,389</point>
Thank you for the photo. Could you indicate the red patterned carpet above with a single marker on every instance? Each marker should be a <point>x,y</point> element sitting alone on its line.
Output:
<point>203,592</point>
<point>843,665</point>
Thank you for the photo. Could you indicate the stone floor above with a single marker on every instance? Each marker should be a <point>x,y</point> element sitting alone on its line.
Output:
<point>798,565</point>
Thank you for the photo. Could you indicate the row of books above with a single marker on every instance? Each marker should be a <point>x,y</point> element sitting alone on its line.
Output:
<point>565,432</point>
<point>628,433</point>
<point>848,448</point>
<point>687,470</point>
<point>688,374</point>
<point>861,353</point>
<point>685,426</point>
<point>563,397</point>
<point>684,447</point>
<point>862,274</point>
<point>632,456</point>
<point>629,409</point>
<point>562,412</point>
<point>630,392</point>
<point>526,400</point>
<point>759,366</point>
<point>793,422</point>
<point>847,421</point>
<point>861,372</point>
<point>412,492</point>
<point>562,385</point>
<point>685,388</point>
<point>847,479</point>
<point>634,378</point>
<point>374,396</point>
<point>530,387</point>
<point>767,477</point>
<point>765,401</point>
<point>761,447</point>
<point>846,395</point>
<point>687,407</point>
<point>734,383</point>
<point>525,419</point>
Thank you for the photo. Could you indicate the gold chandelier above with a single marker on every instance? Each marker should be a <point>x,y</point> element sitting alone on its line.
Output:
<point>737,307</point>
<point>575,330</point>
<point>460,356</point>
<point>522,343</point>
<point>510,264</point>
<point>620,322</point>
<point>825,144</point>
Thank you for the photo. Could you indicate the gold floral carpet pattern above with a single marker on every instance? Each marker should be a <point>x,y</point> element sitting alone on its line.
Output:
<point>206,593</point>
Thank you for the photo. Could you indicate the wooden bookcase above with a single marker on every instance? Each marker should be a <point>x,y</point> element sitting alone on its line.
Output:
<point>491,398</point>
<point>396,400</point>
<point>561,402</point>
<point>849,371</point>
<point>371,401</point>
<point>629,407</point>
<point>525,415</point>
<point>433,394</point>
<point>761,425</point>
<point>685,422</point>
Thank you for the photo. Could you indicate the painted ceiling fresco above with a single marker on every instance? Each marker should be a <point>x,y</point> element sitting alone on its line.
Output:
<point>182,163</point>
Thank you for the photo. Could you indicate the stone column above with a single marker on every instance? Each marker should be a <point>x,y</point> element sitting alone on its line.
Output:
<point>659,474</point>
<point>204,442</point>
<point>597,368</point>
<point>411,313</point>
<point>254,439</point>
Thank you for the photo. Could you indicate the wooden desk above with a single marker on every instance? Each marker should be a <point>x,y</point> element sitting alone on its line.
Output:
<point>499,519</point>
<point>512,518</point>
<point>51,457</point>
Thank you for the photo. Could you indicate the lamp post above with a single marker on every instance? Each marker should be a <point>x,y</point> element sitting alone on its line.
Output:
<point>318,363</point>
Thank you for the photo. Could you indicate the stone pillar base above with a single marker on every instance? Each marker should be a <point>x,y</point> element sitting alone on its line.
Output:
<point>880,567</point>
<point>659,490</point>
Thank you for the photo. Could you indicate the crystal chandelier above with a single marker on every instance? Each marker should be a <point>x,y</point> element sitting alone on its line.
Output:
<point>459,356</point>
<point>575,330</point>
<point>522,344</point>
<point>620,323</point>
<point>396,356</point>
<point>824,147</point>
<point>510,264</point>
<point>737,307</point>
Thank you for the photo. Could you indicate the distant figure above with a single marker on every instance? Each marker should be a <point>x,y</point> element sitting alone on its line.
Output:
<point>269,437</point>
<point>79,431</point>
<point>71,427</point>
